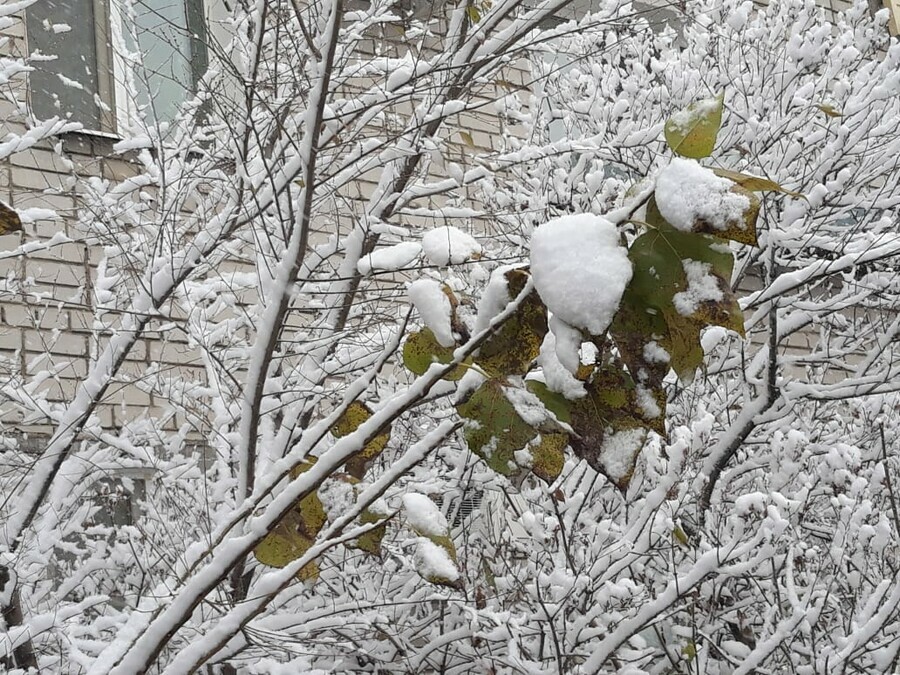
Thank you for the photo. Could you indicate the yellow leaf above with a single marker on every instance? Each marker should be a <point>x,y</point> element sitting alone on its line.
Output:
<point>680,536</point>
<point>830,111</point>
<point>755,183</point>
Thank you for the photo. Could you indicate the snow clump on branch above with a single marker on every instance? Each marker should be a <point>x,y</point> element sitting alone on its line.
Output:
<point>424,516</point>
<point>580,270</point>
<point>435,309</point>
<point>449,246</point>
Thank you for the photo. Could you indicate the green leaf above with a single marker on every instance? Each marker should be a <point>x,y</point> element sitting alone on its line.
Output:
<point>370,542</point>
<point>548,456</point>
<point>638,330</point>
<point>285,543</point>
<point>658,258</point>
<point>353,417</point>
<point>422,349</point>
<point>556,403</point>
<point>516,344</point>
<point>497,431</point>
<point>692,132</point>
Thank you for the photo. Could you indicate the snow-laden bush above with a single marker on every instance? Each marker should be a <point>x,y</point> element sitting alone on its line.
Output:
<point>755,529</point>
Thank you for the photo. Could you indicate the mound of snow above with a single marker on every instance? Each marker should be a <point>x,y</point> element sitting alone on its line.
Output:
<point>433,562</point>
<point>449,246</point>
<point>434,307</point>
<point>389,259</point>
<point>580,270</point>
<point>687,192</point>
<point>424,516</point>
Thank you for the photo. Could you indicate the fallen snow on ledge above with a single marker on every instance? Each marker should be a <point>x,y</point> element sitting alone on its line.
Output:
<point>580,270</point>
<point>687,192</point>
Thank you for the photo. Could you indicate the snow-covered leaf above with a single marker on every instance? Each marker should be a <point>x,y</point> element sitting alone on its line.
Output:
<point>755,183</point>
<point>516,344</point>
<point>692,132</point>
<point>692,198</point>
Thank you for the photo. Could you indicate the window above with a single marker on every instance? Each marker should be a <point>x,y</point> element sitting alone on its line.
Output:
<point>149,65</point>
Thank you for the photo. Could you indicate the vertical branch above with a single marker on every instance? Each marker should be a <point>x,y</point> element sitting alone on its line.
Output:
<point>268,331</point>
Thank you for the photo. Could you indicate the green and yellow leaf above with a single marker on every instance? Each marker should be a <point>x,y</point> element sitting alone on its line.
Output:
<point>692,132</point>
<point>353,417</point>
<point>511,350</point>
<point>295,533</point>
<point>422,349</point>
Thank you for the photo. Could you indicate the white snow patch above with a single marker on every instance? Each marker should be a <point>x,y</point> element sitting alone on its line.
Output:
<point>654,353</point>
<point>494,298</point>
<point>449,246</point>
<point>557,377</point>
<point>36,213</point>
<point>433,562</point>
<point>337,498</point>
<point>134,143</point>
<point>685,119</point>
<point>424,516</point>
<point>527,405</point>
<point>649,406</point>
<point>567,343</point>
<point>389,259</point>
<point>434,307</point>
<point>618,451</point>
<point>524,458</point>
<point>702,287</point>
<point>687,192</point>
<point>580,270</point>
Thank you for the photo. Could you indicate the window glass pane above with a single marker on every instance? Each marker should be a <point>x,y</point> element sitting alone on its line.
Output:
<point>67,85</point>
<point>161,28</point>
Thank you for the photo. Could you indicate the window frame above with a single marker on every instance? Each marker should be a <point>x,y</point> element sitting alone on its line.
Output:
<point>116,109</point>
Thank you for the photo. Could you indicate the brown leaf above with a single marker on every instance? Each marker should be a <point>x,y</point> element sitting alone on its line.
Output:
<point>9,220</point>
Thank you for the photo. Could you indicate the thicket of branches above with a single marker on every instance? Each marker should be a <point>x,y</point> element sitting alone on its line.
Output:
<point>759,533</point>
